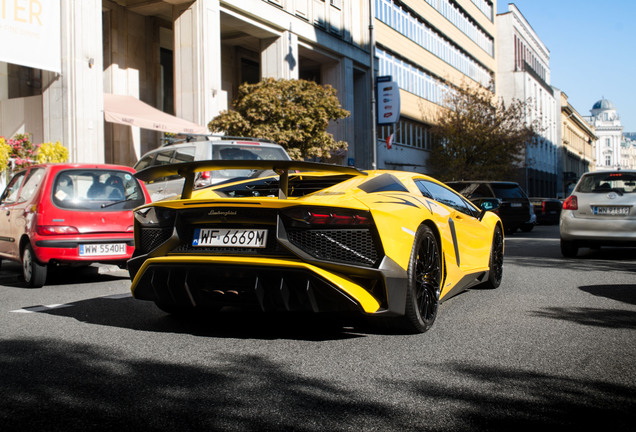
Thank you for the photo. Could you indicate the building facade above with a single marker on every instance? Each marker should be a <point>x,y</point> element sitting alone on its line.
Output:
<point>577,149</point>
<point>523,73</point>
<point>427,46</point>
<point>609,131</point>
<point>186,58</point>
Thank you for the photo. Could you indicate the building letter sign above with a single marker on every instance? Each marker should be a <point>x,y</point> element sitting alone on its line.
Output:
<point>30,33</point>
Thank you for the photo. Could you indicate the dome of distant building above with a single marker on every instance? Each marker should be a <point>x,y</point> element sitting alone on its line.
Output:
<point>603,104</point>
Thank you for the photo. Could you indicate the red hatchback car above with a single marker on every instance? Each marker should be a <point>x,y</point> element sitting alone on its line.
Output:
<point>68,214</point>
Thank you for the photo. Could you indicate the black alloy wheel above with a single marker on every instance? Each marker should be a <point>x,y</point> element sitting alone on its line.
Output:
<point>424,282</point>
<point>495,273</point>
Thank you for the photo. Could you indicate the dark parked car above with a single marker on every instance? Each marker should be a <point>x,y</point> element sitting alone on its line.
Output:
<point>547,210</point>
<point>515,210</point>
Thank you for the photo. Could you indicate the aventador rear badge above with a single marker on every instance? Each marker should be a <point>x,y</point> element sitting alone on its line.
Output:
<point>222,213</point>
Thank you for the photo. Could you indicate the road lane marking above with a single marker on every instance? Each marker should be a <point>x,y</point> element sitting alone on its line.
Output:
<point>42,308</point>
<point>45,308</point>
<point>117,296</point>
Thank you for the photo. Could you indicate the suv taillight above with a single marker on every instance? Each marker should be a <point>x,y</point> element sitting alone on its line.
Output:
<point>571,203</point>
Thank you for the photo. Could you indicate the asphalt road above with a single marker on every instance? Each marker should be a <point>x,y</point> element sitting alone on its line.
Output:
<point>553,348</point>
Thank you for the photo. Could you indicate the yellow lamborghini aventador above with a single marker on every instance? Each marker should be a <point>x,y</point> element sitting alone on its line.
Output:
<point>302,236</point>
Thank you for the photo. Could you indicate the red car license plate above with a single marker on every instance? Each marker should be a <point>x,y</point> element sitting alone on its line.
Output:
<point>102,249</point>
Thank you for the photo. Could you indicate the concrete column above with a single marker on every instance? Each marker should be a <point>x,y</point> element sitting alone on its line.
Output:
<point>279,57</point>
<point>73,104</point>
<point>197,50</point>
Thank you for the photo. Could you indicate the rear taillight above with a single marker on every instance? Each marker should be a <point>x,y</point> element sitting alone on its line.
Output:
<point>336,219</point>
<point>56,230</point>
<point>329,216</point>
<point>571,203</point>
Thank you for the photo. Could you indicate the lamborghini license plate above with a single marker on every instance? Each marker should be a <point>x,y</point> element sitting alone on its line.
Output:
<point>234,237</point>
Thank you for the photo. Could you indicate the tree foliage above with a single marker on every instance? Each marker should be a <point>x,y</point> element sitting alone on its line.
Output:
<point>479,137</point>
<point>293,113</point>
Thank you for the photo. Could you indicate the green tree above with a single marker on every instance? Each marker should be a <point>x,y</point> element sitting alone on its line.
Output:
<point>293,113</point>
<point>477,136</point>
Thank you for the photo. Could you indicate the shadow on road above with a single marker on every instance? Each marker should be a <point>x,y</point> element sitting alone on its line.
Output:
<point>621,293</point>
<point>597,317</point>
<point>139,315</point>
<point>60,386</point>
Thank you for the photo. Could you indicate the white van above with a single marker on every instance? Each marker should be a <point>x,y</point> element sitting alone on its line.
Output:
<point>217,148</point>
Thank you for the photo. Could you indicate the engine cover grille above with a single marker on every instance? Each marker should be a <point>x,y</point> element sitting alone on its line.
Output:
<point>347,246</point>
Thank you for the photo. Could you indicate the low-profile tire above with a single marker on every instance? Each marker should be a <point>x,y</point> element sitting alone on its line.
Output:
<point>33,272</point>
<point>569,249</point>
<point>424,281</point>
<point>495,273</point>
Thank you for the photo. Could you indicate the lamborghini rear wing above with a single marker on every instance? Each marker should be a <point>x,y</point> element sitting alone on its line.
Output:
<point>188,171</point>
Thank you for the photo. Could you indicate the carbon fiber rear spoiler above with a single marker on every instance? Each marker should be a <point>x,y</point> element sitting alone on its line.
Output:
<point>188,170</point>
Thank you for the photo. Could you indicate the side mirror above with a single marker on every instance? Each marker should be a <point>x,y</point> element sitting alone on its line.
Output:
<point>488,204</point>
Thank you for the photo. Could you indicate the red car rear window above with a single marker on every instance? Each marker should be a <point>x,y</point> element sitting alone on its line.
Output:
<point>96,189</point>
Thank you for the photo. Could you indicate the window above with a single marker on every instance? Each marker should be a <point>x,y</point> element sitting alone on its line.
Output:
<point>445,196</point>
<point>185,154</point>
<point>31,184</point>
<point>10,195</point>
<point>101,190</point>
<point>166,59</point>
<point>413,27</point>
<point>409,133</point>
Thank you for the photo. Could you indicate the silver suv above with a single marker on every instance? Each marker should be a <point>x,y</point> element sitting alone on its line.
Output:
<point>217,148</point>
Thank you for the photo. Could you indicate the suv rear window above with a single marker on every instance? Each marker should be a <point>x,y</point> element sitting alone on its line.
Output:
<point>95,189</point>
<point>503,190</point>
<point>248,152</point>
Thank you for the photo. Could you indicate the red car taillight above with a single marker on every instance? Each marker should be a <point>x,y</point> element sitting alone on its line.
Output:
<point>571,203</point>
<point>56,230</point>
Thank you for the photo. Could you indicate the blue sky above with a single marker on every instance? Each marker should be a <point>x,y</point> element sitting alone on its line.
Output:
<point>592,47</point>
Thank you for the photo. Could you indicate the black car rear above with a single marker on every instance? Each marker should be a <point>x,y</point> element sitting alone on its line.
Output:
<point>548,210</point>
<point>514,210</point>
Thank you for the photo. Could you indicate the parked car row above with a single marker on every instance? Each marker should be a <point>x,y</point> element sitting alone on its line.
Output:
<point>239,223</point>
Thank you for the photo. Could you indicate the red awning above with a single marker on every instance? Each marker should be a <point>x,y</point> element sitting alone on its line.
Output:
<point>131,111</point>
